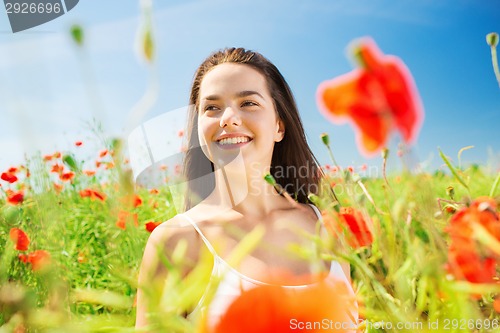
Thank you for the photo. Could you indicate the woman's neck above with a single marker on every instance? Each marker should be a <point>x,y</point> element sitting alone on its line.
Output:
<point>242,187</point>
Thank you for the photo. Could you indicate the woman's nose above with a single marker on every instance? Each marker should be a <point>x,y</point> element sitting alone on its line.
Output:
<point>230,117</point>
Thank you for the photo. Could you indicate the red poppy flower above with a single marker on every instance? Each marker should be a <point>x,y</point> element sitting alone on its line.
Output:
<point>109,165</point>
<point>154,191</point>
<point>39,259</point>
<point>23,257</point>
<point>57,154</point>
<point>20,238</point>
<point>496,304</point>
<point>9,177</point>
<point>92,194</point>
<point>103,153</point>
<point>13,170</point>
<point>274,309</point>
<point>124,216</point>
<point>48,158</point>
<point>377,98</point>
<point>121,223</point>
<point>137,201</point>
<point>78,143</point>
<point>57,168</point>
<point>58,187</point>
<point>67,176</point>
<point>15,198</point>
<point>467,259</point>
<point>358,231</point>
<point>89,172</point>
<point>150,226</point>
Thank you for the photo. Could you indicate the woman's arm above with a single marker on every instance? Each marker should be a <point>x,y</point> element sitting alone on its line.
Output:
<point>153,273</point>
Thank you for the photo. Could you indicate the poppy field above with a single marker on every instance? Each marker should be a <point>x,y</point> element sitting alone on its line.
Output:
<point>423,248</point>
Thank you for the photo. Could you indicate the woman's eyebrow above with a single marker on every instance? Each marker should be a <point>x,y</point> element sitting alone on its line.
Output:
<point>211,98</point>
<point>246,93</point>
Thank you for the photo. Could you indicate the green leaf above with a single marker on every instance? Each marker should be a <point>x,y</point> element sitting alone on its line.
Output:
<point>70,161</point>
<point>453,170</point>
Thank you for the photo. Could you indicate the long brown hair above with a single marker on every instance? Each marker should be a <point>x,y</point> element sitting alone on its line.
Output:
<point>290,156</point>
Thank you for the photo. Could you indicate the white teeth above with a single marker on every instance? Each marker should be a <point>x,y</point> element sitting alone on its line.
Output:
<point>232,141</point>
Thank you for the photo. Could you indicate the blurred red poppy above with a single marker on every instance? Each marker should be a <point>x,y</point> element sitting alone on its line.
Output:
<point>124,216</point>
<point>20,239</point>
<point>274,309</point>
<point>137,201</point>
<point>78,143</point>
<point>103,153</point>
<point>58,187</point>
<point>377,97</point>
<point>57,168</point>
<point>15,198</point>
<point>468,259</point>
<point>13,170</point>
<point>358,229</point>
<point>89,172</point>
<point>121,223</point>
<point>38,259</point>
<point>92,194</point>
<point>67,176</point>
<point>150,226</point>
<point>9,177</point>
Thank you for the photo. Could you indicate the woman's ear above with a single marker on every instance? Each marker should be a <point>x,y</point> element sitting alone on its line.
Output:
<point>280,131</point>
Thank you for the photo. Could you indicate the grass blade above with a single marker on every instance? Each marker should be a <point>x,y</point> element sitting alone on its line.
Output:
<point>453,170</point>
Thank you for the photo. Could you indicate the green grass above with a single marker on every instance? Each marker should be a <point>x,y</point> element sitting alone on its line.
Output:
<point>90,283</point>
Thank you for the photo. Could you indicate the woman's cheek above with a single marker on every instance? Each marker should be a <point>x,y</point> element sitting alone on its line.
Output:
<point>202,137</point>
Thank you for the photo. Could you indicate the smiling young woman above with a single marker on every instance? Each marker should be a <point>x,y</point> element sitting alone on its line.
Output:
<point>244,123</point>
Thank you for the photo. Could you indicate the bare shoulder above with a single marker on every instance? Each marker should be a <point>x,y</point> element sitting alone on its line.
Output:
<point>302,216</point>
<point>163,241</point>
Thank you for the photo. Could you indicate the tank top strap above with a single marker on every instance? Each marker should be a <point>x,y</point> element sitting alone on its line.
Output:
<point>205,240</point>
<point>318,213</point>
<point>335,267</point>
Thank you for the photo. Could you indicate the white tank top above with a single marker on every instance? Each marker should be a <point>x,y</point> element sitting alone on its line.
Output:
<point>232,282</point>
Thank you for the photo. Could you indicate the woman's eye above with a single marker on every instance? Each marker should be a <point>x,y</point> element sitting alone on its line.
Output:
<point>211,108</point>
<point>248,103</point>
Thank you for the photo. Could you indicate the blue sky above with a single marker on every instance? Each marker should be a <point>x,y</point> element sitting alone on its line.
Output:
<point>45,81</point>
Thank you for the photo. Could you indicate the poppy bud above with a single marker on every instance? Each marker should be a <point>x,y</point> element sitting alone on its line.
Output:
<point>492,39</point>
<point>77,34</point>
<point>385,153</point>
<point>326,140</point>
<point>270,179</point>
<point>357,55</point>
<point>450,191</point>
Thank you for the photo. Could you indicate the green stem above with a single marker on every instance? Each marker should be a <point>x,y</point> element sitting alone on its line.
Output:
<point>333,158</point>
<point>495,185</point>
<point>453,170</point>
<point>494,61</point>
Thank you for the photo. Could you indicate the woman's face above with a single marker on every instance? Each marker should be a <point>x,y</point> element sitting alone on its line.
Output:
<point>236,112</point>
